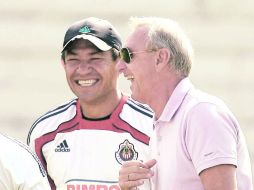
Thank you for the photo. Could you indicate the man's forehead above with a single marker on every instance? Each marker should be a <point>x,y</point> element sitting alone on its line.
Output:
<point>138,38</point>
<point>140,31</point>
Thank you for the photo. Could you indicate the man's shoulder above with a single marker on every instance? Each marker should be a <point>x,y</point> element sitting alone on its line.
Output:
<point>58,112</point>
<point>26,157</point>
<point>135,107</point>
<point>206,107</point>
<point>138,116</point>
<point>52,119</point>
<point>198,98</point>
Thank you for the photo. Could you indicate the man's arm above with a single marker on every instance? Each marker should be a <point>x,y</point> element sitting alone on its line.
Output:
<point>219,177</point>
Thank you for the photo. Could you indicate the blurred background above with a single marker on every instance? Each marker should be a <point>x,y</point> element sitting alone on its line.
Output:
<point>32,80</point>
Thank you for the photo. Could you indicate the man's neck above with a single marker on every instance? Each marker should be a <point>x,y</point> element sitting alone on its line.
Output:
<point>161,95</point>
<point>101,108</point>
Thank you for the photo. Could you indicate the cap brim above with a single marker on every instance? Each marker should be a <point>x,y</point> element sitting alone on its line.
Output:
<point>96,41</point>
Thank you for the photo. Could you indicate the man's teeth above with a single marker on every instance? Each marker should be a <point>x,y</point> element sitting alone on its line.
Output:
<point>86,82</point>
<point>130,77</point>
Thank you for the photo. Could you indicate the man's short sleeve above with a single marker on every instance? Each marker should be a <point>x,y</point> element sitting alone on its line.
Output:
<point>211,136</point>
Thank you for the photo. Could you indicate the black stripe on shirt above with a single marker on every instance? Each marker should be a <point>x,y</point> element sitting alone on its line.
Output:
<point>140,110</point>
<point>140,105</point>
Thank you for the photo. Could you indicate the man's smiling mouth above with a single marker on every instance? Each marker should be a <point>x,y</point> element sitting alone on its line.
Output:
<point>130,77</point>
<point>86,83</point>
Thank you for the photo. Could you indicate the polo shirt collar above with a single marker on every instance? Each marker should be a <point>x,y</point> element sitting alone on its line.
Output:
<point>176,99</point>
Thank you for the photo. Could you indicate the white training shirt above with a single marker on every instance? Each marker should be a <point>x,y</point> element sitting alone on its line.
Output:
<point>196,131</point>
<point>20,169</point>
<point>80,153</point>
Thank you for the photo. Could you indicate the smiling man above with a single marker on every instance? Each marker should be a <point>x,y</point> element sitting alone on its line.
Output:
<point>197,141</point>
<point>83,143</point>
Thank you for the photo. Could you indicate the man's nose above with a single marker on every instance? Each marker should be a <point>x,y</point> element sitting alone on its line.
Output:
<point>121,66</point>
<point>84,67</point>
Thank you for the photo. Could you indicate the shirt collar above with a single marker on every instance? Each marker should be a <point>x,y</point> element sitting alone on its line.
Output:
<point>175,100</point>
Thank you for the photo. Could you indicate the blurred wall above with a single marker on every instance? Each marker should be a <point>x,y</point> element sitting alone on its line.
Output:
<point>32,80</point>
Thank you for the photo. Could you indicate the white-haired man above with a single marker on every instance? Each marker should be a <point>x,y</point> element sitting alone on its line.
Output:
<point>197,142</point>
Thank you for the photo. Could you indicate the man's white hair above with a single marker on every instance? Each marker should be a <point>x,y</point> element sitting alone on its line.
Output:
<point>166,33</point>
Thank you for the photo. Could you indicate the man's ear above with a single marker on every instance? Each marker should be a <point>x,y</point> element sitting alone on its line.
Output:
<point>62,62</point>
<point>163,57</point>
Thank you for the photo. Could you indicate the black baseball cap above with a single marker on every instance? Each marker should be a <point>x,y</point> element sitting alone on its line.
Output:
<point>98,31</point>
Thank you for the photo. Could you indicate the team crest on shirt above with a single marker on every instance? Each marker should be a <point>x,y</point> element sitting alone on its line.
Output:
<point>126,152</point>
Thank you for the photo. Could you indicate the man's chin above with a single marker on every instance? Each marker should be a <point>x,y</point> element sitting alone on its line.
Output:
<point>138,98</point>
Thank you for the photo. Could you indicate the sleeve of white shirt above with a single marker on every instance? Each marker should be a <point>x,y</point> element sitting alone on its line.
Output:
<point>20,169</point>
<point>211,136</point>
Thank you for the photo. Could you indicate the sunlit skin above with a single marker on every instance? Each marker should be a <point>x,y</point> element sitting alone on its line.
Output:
<point>92,76</point>
<point>152,82</point>
<point>146,70</point>
<point>140,68</point>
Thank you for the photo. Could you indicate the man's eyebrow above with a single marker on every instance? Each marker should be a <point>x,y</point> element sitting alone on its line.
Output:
<point>71,52</point>
<point>96,51</point>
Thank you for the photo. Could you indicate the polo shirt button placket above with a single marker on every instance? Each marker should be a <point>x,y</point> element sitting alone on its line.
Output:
<point>159,138</point>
